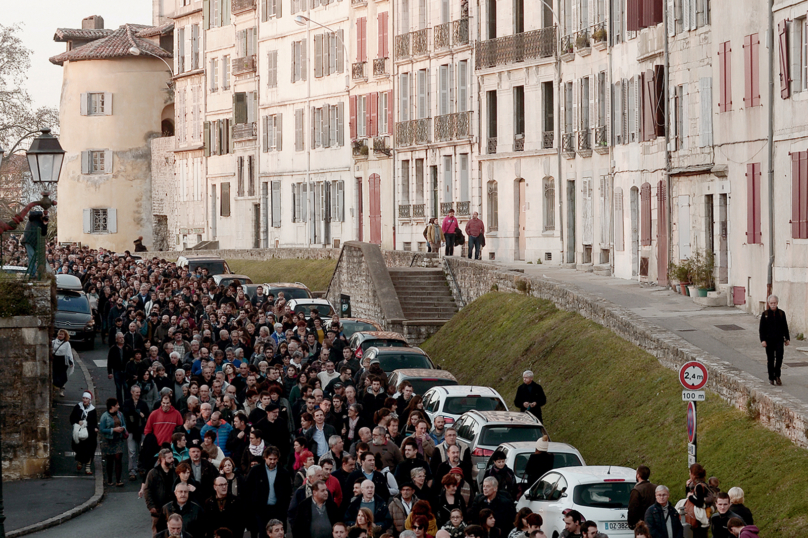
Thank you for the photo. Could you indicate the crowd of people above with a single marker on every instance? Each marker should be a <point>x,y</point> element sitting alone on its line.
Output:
<point>238,415</point>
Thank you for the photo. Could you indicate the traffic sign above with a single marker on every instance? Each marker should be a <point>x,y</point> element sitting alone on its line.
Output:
<point>691,422</point>
<point>693,375</point>
<point>693,396</point>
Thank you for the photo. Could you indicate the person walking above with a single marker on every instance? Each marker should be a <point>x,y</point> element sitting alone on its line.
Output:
<point>641,497</point>
<point>112,427</point>
<point>475,230</point>
<point>62,360</point>
<point>85,417</point>
<point>136,412</point>
<point>449,227</point>
<point>35,231</point>
<point>661,517</point>
<point>773,335</point>
<point>530,396</point>
<point>434,235</point>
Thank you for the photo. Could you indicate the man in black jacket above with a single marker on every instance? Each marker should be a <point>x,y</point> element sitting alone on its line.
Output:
<point>135,413</point>
<point>722,515</point>
<point>530,396</point>
<point>157,488</point>
<point>117,358</point>
<point>498,502</point>
<point>316,514</point>
<point>190,511</point>
<point>773,335</point>
<point>368,471</point>
<point>202,470</point>
<point>661,516</point>
<point>269,487</point>
<point>642,496</point>
<point>223,510</point>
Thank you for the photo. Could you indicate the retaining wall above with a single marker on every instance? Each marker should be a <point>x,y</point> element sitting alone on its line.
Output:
<point>251,253</point>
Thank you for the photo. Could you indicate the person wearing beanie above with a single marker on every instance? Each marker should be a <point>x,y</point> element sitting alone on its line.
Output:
<point>540,462</point>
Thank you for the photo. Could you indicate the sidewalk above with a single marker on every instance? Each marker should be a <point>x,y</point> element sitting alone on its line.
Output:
<point>724,332</point>
<point>33,505</point>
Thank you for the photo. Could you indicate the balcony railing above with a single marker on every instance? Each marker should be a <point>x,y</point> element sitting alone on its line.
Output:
<point>359,2</point>
<point>600,137</point>
<point>453,126</point>
<point>381,144</point>
<point>360,148</point>
<point>402,46</point>
<point>516,48</point>
<point>492,145</point>
<point>460,32</point>
<point>441,35</point>
<point>420,42</point>
<point>418,210</point>
<point>568,143</point>
<point>244,131</point>
<point>567,43</point>
<point>409,133</point>
<point>380,67</point>
<point>403,211</point>
<point>584,140</point>
<point>242,65</point>
<point>600,34</point>
<point>519,143</point>
<point>548,139</point>
<point>237,6</point>
<point>463,208</point>
<point>445,207</point>
<point>582,41</point>
<point>358,71</point>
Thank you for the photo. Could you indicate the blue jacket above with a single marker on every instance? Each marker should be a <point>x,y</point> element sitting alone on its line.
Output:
<point>106,424</point>
<point>222,434</point>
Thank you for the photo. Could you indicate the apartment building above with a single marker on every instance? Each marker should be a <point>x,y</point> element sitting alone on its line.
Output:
<point>434,100</point>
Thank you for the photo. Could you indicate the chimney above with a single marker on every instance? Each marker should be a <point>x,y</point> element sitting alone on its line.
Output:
<point>93,22</point>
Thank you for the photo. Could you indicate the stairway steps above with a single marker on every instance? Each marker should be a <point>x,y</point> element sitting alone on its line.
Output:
<point>424,294</point>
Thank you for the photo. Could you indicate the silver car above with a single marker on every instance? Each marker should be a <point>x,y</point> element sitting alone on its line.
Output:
<point>517,454</point>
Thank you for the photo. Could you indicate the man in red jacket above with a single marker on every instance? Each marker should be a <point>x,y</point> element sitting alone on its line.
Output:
<point>475,230</point>
<point>163,421</point>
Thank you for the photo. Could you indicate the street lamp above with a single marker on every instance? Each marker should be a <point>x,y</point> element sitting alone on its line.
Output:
<point>134,51</point>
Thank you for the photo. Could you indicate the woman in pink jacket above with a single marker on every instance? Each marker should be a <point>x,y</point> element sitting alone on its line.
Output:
<point>449,228</point>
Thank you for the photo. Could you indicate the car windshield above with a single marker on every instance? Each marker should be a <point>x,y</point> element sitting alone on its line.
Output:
<point>383,342</point>
<point>350,327</point>
<point>397,361</point>
<point>560,459</point>
<point>72,302</point>
<point>603,494</point>
<point>289,293</point>
<point>496,435</point>
<point>214,267</point>
<point>420,386</point>
<point>324,310</point>
<point>458,406</point>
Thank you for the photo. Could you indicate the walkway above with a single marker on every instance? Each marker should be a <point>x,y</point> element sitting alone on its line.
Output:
<point>725,332</point>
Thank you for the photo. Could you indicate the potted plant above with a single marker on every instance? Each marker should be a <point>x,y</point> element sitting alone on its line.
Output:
<point>582,41</point>
<point>703,268</point>
<point>600,34</point>
<point>681,273</point>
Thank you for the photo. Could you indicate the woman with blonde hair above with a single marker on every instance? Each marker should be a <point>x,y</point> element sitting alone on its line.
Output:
<point>364,521</point>
<point>62,360</point>
<point>736,499</point>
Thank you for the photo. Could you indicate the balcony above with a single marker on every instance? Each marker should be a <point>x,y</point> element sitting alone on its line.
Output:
<point>445,207</point>
<point>492,145</point>
<point>245,131</point>
<point>519,142</point>
<point>380,67</point>
<point>381,144</point>
<point>441,35</point>
<point>239,6</point>
<point>404,211</point>
<point>568,145</point>
<point>584,142</point>
<point>359,3</point>
<point>402,46</point>
<point>418,211</point>
<point>567,51</point>
<point>600,36</point>
<point>464,208</point>
<point>601,140</point>
<point>420,42</point>
<point>583,44</point>
<point>410,133</point>
<point>358,71</point>
<point>548,139</point>
<point>516,48</point>
<point>460,32</point>
<point>243,65</point>
<point>360,148</point>
<point>453,126</point>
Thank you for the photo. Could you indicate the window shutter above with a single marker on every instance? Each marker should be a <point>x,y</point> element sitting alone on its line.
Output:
<point>675,99</point>
<point>706,96</point>
<point>279,132</point>
<point>276,204</point>
<point>352,121</point>
<point>85,162</point>
<point>444,90</point>
<point>329,54</point>
<point>725,71</point>
<point>265,137</point>
<point>753,203</point>
<point>278,8</point>
<point>340,51</point>
<point>295,64</point>
<point>607,107</point>
<point>107,104</point>
<point>318,55</point>
<point>112,220</point>
<point>671,18</point>
<point>206,137</point>
<point>618,219</point>
<point>685,106</point>
<point>341,201</point>
<point>264,10</point>
<point>107,161</point>
<point>325,135</point>
<point>374,114</point>
<point>313,127</point>
<point>754,86</point>
<point>380,34</point>
<point>649,129</point>
<point>341,124</point>
<point>87,220</point>
<point>645,218</point>
<point>802,199</point>
<point>617,115</point>
<point>782,29</point>
<point>303,59</point>
<point>84,104</point>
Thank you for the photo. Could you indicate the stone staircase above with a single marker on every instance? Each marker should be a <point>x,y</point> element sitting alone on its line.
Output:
<point>424,294</point>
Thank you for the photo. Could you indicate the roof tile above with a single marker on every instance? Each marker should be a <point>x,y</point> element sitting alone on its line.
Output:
<point>114,45</point>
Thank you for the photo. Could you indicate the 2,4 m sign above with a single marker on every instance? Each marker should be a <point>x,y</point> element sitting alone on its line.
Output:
<point>693,375</point>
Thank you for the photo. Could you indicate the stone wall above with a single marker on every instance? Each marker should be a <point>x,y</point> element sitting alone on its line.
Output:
<point>252,253</point>
<point>25,387</point>
<point>402,258</point>
<point>778,412</point>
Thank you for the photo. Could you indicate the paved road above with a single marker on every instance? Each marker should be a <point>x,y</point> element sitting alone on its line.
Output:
<point>121,513</point>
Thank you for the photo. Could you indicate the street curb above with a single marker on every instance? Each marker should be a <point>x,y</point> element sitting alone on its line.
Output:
<point>99,480</point>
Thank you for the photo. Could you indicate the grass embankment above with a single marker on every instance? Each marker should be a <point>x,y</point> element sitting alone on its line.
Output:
<point>619,406</point>
<point>316,274</point>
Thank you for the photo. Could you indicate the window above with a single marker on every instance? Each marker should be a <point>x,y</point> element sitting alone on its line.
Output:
<point>100,221</point>
<point>549,204</point>
<point>645,214</point>
<point>462,86</point>
<point>300,140</point>
<point>226,73</point>
<point>799,195</point>
<point>195,47</point>
<point>298,60</point>
<point>240,176</point>
<point>276,204</point>
<point>270,8</point>
<point>518,16</point>
<point>583,105</point>
<point>751,53</point>
<point>448,194</point>
<point>423,94</point>
<point>272,69</point>
<point>96,104</point>
<point>803,24</point>
<point>491,19</point>
<point>361,115</point>
<point>299,202</point>
<point>96,161</point>
<point>333,124</point>
<point>568,121</point>
<point>405,182</point>
<point>273,132</point>
<point>244,107</point>
<point>317,129</point>
<point>491,106</point>
<point>492,209</point>
<point>328,53</point>
<point>225,204</point>
<point>383,112</point>
<point>419,181</point>
<point>444,72</point>
<point>404,97</point>
<point>337,201</point>
<point>464,178</point>
<point>519,111</point>
<point>725,73</point>
<point>753,234</point>
<point>246,43</point>
<point>217,137</point>
<point>213,75</point>
<point>548,118</point>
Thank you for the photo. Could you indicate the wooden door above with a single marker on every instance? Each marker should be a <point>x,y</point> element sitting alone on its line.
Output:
<point>375,203</point>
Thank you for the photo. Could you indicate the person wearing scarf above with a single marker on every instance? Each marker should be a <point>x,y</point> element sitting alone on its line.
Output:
<point>62,360</point>
<point>84,414</point>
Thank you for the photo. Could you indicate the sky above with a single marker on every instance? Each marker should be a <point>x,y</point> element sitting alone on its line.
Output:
<point>39,20</point>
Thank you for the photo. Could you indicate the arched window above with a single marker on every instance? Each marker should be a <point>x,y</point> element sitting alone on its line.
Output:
<point>493,206</point>
<point>549,204</point>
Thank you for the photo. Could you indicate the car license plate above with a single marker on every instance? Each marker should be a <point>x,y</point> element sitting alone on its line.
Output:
<point>616,526</point>
<point>71,333</point>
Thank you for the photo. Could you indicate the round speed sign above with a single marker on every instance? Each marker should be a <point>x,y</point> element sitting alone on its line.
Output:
<point>693,375</point>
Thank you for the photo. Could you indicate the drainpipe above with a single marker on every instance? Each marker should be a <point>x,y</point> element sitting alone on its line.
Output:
<point>770,45</point>
<point>560,190</point>
<point>611,146</point>
<point>666,97</point>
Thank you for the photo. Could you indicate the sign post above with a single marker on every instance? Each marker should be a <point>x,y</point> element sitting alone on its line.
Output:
<point>693,377</point>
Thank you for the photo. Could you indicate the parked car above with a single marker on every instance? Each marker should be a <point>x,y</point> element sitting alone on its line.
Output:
<point>451,402</point>
<point>601,493</point>
<point>397,358</point>
<point>249,289</point>
<point>68,282</point>
<point>353,325</point>
<point>74,315</point>
<point>517,454</point>
<point>291,290</point>
<point>484,431</point>
<point>226,279</point>
<point>214,264</point>
<point>361,341</point>
<point>422,379</point>
<point>323,307</point>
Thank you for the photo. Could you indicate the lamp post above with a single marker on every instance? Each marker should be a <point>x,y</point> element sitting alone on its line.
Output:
<point>134,51</point>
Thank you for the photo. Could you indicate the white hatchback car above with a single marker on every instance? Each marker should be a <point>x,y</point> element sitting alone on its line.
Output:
<point>599,492</point>
<point>451,402</point>
<point>517,454</point>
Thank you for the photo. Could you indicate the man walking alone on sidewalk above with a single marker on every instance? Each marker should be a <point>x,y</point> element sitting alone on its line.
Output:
<point>773,335</point>
<point>475,230</point>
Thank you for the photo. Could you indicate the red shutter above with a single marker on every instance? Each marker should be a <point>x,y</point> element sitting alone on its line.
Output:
<point>363,50</point>
<point>645,217</point>
<point>753,203</point>
<point>359,39</point>
<point>390,112</point>
<point>782,29</point>
<point>380,34</point>
<point>747,71</point>
<point>795,195</point>
<point>755,87</point>
<point>725,72</point>
<point>374,114</point>
<point>634,18</point>
<point>803,200</point>
<point>368,116</point>
<point>386,34</point>
<point>352,106</point>
<point>374,199</point>
<point>651,12</point>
